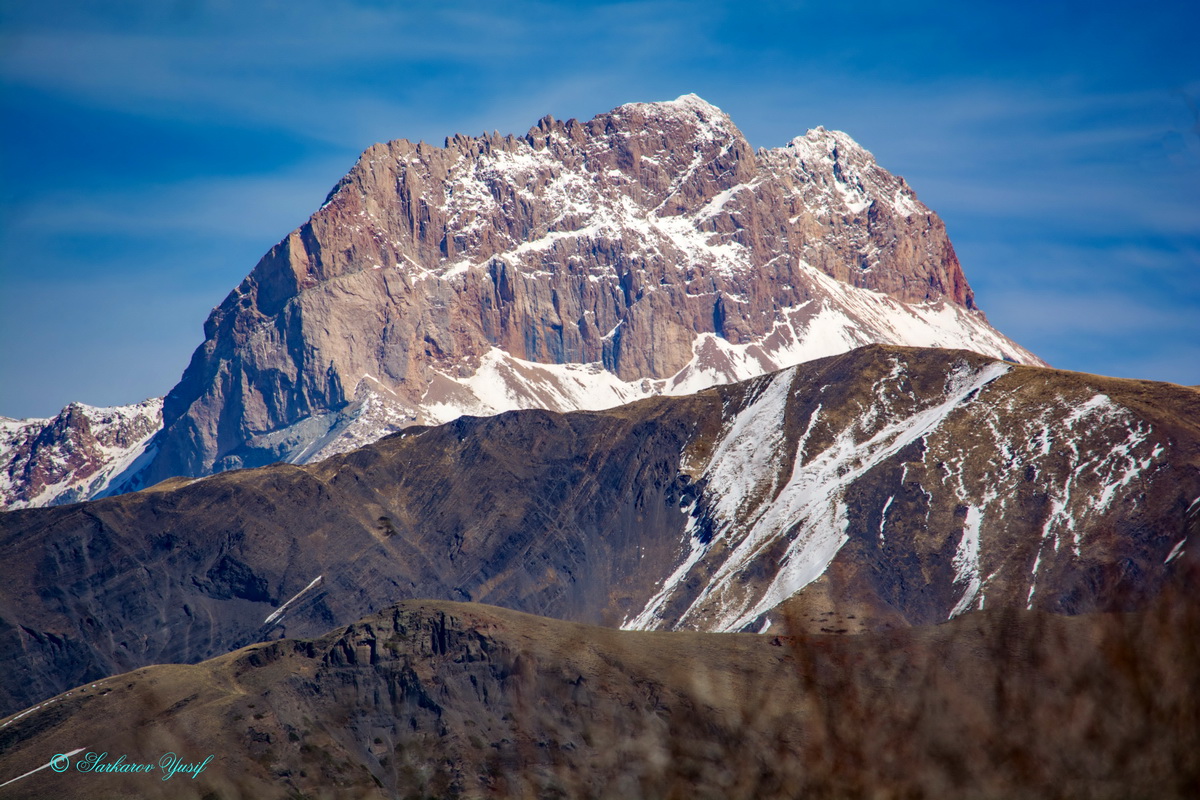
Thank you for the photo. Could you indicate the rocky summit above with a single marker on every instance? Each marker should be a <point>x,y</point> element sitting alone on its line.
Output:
<point>647,251</point>
<point>878,489</point>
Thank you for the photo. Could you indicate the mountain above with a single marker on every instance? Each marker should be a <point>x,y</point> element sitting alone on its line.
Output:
<point>647,251</point>
<point>436,699</point>
<point>74,455</point>
<point>877,489</point>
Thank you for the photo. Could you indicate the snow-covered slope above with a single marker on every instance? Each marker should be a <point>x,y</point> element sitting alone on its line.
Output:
<point>840,318</point>
<point>960,478</point>
<point>74,455</point>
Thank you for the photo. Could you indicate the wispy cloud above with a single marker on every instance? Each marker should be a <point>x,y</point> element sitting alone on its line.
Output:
<point>364,66</point>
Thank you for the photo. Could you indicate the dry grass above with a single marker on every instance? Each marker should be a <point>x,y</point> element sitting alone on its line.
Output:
<point>438,699</point>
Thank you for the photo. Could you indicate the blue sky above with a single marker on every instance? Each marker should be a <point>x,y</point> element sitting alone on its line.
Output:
<point>152,150</point>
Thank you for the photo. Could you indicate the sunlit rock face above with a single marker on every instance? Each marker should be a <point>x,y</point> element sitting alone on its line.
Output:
<point>647,251</point>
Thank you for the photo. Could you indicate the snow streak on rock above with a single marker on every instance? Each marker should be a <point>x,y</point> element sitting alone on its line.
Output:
<point>1080,454</point>
<point>278,613</point>
<point>975,469</point>
<point>751,515</point>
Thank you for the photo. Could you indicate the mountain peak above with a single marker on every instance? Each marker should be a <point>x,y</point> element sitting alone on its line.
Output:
<point>821,143</point>
<point>690,103</point>
<point>73,455</point>
<point>585,265</point>
<point>694,104</point>
<point>711,123</point>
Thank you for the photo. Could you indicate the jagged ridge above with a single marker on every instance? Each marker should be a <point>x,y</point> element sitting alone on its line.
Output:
<point>584,265</point>
<point>454,700</point>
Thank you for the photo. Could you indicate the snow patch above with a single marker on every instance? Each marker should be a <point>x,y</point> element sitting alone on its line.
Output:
<point>966,561</point>
<point>275,615</point>
<point>751,513</point>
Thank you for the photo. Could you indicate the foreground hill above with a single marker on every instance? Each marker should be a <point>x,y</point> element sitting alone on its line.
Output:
<point>881,488</point>
<point>437,699</point>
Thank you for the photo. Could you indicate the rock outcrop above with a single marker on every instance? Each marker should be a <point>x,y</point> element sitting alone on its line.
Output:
<point>436,699</point>
<point>649,250</point>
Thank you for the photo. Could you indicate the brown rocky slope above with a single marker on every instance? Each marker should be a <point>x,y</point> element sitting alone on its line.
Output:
<point>437,699</point>
<point>877,489</point>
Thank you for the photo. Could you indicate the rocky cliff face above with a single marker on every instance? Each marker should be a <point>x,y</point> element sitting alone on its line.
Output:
<point>73,456</point>
<point>881,488</point>
<point>649,250</point>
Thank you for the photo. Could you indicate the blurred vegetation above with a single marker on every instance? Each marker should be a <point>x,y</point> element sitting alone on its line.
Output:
<point>434,699</point>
